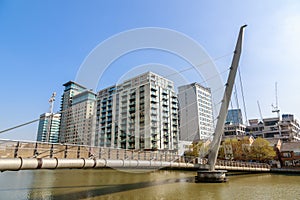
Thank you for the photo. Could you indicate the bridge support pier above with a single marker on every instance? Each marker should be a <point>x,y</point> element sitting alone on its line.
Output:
<point>216,176</point>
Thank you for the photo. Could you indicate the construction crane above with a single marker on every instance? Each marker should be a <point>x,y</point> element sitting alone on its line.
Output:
<point>51,102</point>
<point>276,108</point>
<point>261,117</point>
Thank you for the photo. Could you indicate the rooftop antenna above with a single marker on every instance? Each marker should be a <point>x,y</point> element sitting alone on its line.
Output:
<point>276,108</point>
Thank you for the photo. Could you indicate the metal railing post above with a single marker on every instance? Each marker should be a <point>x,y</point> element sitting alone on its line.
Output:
<point>51,151</point>
<point>78,152</point>
<point>16,150</point>
<point>35,153</point>
<point>66,151</point>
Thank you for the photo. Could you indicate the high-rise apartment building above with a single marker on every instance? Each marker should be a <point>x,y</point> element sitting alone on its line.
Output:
<point>141,113</point>
<point>48,130</point>
<point>234,116</point>
<point>196,112</point>
<point>77,115</point>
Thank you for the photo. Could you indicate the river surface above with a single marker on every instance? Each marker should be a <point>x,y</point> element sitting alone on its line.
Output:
<point>163,184</point>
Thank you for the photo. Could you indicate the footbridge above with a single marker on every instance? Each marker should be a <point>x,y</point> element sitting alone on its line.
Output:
<point>27,155</point>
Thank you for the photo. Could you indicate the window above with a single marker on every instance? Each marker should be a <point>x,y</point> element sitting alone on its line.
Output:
<point>286,155</point>
<point>297,153</point>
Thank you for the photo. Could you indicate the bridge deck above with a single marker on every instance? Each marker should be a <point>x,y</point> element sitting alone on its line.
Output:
<point>17,155</point>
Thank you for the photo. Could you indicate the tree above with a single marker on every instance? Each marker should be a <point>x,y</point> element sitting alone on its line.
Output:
<point>196,149</point>
<point>261,150</point>
<point>236,149</point>
<point>240,149</point>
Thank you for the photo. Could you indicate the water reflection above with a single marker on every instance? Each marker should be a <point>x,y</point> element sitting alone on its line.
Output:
<point>112,184</point>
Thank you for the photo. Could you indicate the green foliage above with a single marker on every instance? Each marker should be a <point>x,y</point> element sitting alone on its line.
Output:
<point>234,149</point>
<point>261,150</point>
<point>195,149</point>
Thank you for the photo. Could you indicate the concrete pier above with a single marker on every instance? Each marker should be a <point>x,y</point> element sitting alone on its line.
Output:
<point>217,176</point>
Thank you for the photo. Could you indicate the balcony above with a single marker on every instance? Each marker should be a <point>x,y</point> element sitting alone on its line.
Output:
<point>131,110</point>
<point>154,119</point>
<point>131,140</point>
<point>132,116</point>
<point>154,139</point>
<point>165,115</point>
<point>154,134</point>
<point>153,113</point>
<point>165,98</point>
<point>153,100</point>
<point>154,125</point>
<point>123,141</point>
<point>174,101</point>
<point>131,134</point>
<point>131,146</point>
<point>153,107</point>
<point>153,94</point>
<point>123,135</point>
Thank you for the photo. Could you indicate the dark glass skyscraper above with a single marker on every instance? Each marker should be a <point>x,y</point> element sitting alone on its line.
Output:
<point>234,116</point>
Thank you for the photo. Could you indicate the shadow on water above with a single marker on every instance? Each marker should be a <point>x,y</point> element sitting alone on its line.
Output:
<point>110,189</point>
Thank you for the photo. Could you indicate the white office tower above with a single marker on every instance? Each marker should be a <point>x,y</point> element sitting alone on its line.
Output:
<point>140,113</point>
<point>196,113</point>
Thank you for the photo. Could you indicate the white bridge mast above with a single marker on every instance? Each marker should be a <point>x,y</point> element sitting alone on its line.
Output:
<point>213,154</point>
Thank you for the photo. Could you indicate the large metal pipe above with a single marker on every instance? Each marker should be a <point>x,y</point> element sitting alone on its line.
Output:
<point>57,163</point>
<point>14,164</point>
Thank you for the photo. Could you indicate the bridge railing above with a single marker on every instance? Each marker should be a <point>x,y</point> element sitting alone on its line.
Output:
<point>242,164</point>
<point>30,149</point>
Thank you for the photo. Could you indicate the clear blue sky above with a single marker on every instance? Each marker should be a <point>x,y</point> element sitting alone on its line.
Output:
<point>43,44</point>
